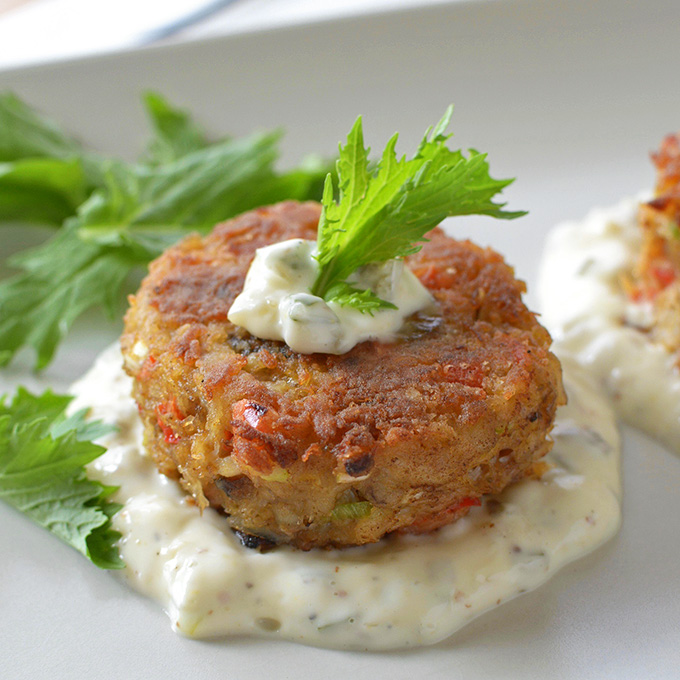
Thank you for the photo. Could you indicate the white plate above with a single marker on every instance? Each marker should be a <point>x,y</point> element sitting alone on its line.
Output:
<point>567,96</point>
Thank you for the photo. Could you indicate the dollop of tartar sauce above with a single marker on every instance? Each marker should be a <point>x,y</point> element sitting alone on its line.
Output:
<point>587,312</point>
<point>401,592</point>
<point>276,304</point>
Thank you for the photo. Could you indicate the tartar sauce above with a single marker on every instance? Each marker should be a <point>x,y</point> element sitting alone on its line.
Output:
<point>589,315</point>
<point>404,591</point>
<point>276,303</point>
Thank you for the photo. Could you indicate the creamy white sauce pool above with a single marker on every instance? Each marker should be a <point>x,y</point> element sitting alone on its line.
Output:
<point>276,303</point>
<point>402,592</point>
<point>589,316</point>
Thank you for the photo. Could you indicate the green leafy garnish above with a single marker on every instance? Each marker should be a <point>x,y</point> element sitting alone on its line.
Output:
<point>42,457</point>
<point>61,279</point>
<point>26,134</point>
<point>384,212</point>
<point>175,133</point>
<point>113,216</point>
<point>41,190</point>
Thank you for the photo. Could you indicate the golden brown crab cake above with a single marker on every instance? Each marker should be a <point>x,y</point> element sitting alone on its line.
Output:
<point>656,276</point>
<point>326,450</point>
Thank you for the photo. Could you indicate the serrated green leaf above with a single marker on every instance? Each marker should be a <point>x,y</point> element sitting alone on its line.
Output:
<point>118,215</point>
<point>26,134</point>
<point>84,429</point>
<point>25,405</point>
<point>144,209</point>
<point>42,190</point>
<point>175,133</point>
<point>385,214</point>
<point>42,474</point>
<point>61,279</point>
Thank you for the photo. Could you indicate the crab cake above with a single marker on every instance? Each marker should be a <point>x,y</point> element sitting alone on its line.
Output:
<point>656,275</point>
<point>328,450</point>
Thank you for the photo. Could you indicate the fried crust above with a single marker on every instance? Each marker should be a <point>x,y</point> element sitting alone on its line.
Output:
<point>656,275</point>
<point>325,450</point>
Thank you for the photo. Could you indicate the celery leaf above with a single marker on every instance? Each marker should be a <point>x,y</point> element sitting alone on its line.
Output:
<point>385,212</point>
<point>116,216</point>
<point>42,474</point>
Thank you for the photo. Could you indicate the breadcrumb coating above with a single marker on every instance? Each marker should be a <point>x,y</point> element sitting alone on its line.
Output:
<point>324,450</point>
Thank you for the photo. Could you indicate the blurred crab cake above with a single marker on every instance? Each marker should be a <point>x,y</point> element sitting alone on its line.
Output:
<point>338,450</point>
